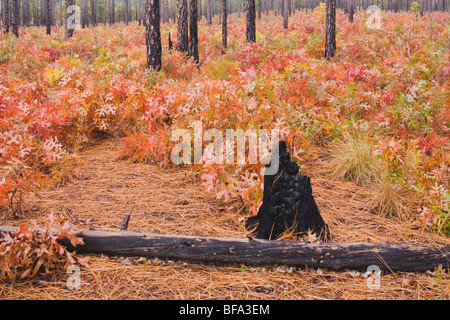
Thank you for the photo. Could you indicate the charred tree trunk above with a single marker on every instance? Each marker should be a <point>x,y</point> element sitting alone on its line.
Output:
<point>48,16</point>
<point>170,43</point>
<point>288,204</point>
<point>285,13</point>
<point>351,12</point>
<point>84,14</point>
<point>113,11</point>
<point>330,29</point>
<point>129,10</point>
<point>208,12</point>
<point>5,11</point>
<point>15,17</point>
<point>224,26</point>
<point>35,14</point>
<point>105,16</point>
<point>193,30</point>
<point>182,26</point>
<point>26,13</point>
<point>70,18</point>
<point>153,34</point>
<point>250,21</point>
<point>252,252</point>
<point>43,13</point>
<point>61,19</point>
<point>94,9</point>
<point>259,9</point>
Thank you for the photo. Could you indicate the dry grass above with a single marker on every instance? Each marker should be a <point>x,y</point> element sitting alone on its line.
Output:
<point>389,200</point>
<point>172,201</point>
<point>352,160</point>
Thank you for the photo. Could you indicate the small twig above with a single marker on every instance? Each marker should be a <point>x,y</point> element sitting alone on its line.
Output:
<point>124,225</point>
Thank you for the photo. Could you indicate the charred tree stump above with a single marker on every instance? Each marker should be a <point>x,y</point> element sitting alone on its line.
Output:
<point>288,203</point>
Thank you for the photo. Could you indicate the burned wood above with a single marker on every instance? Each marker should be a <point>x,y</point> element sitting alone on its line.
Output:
<point>288,203</point>
<point>125,221</point>
<point>331,255</point>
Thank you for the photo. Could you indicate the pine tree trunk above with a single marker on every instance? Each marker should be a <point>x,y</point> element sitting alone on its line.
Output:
<point>34,17</point>
<point>250,21</point>
<point>5,11</point>
<point>338,256</point>
<point>285,13</point>
<point>193,30</point>
<point>26,13</point>
<point>208,12</point>
<point>52,12</point>
<point>61,13</point>
<point>105,5</point>
<point>224,26</point>
<point>259,9</point>
<point>182,26</point>
<point>48,17</point>
<point>84,14</point>
<point>113,11</point>
<point>351,12</point>
<point>70,17</point>
<point>43,13</point>
<point>94,13</point>
<point>15,16</point>
<point>129,10</point>
<point>166,4</point>
<point>330,37</point>
<point>153,34</point>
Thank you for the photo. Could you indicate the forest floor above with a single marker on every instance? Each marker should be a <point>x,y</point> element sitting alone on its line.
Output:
<point>172,201</point>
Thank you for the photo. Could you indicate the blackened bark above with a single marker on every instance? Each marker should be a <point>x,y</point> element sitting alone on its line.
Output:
<point>251,21</point>
<point>70,18</point>
<point>105,5</point>
<point>330,30</point>
<point>331,255</point>
<point>26,13</point>
<point>15,16</point>
<point>259,9</point>
<point>43,13</point>
<point>129,10</point>
<point>224,26</point>
<point>288,203</point>
<point>193,30</point>
<point>124,11</point>
<point>153,34</point>
<point>285,13</point>
<point>6,9</point>
<point>182,26</point>
<point>170,43</point>
<point>113,11</point>
<point>84,14</point>
<point>94,12</point>
<point>208,11</point>
<point>48,16</point>
<point>352,11</point>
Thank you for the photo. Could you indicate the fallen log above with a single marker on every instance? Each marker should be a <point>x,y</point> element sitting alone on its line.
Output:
<point>249,251</point>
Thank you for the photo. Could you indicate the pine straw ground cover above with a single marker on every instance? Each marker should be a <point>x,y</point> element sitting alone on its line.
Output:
<point>164,201</point>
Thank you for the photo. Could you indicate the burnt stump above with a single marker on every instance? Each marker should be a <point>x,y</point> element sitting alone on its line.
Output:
<point>288,203</point>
